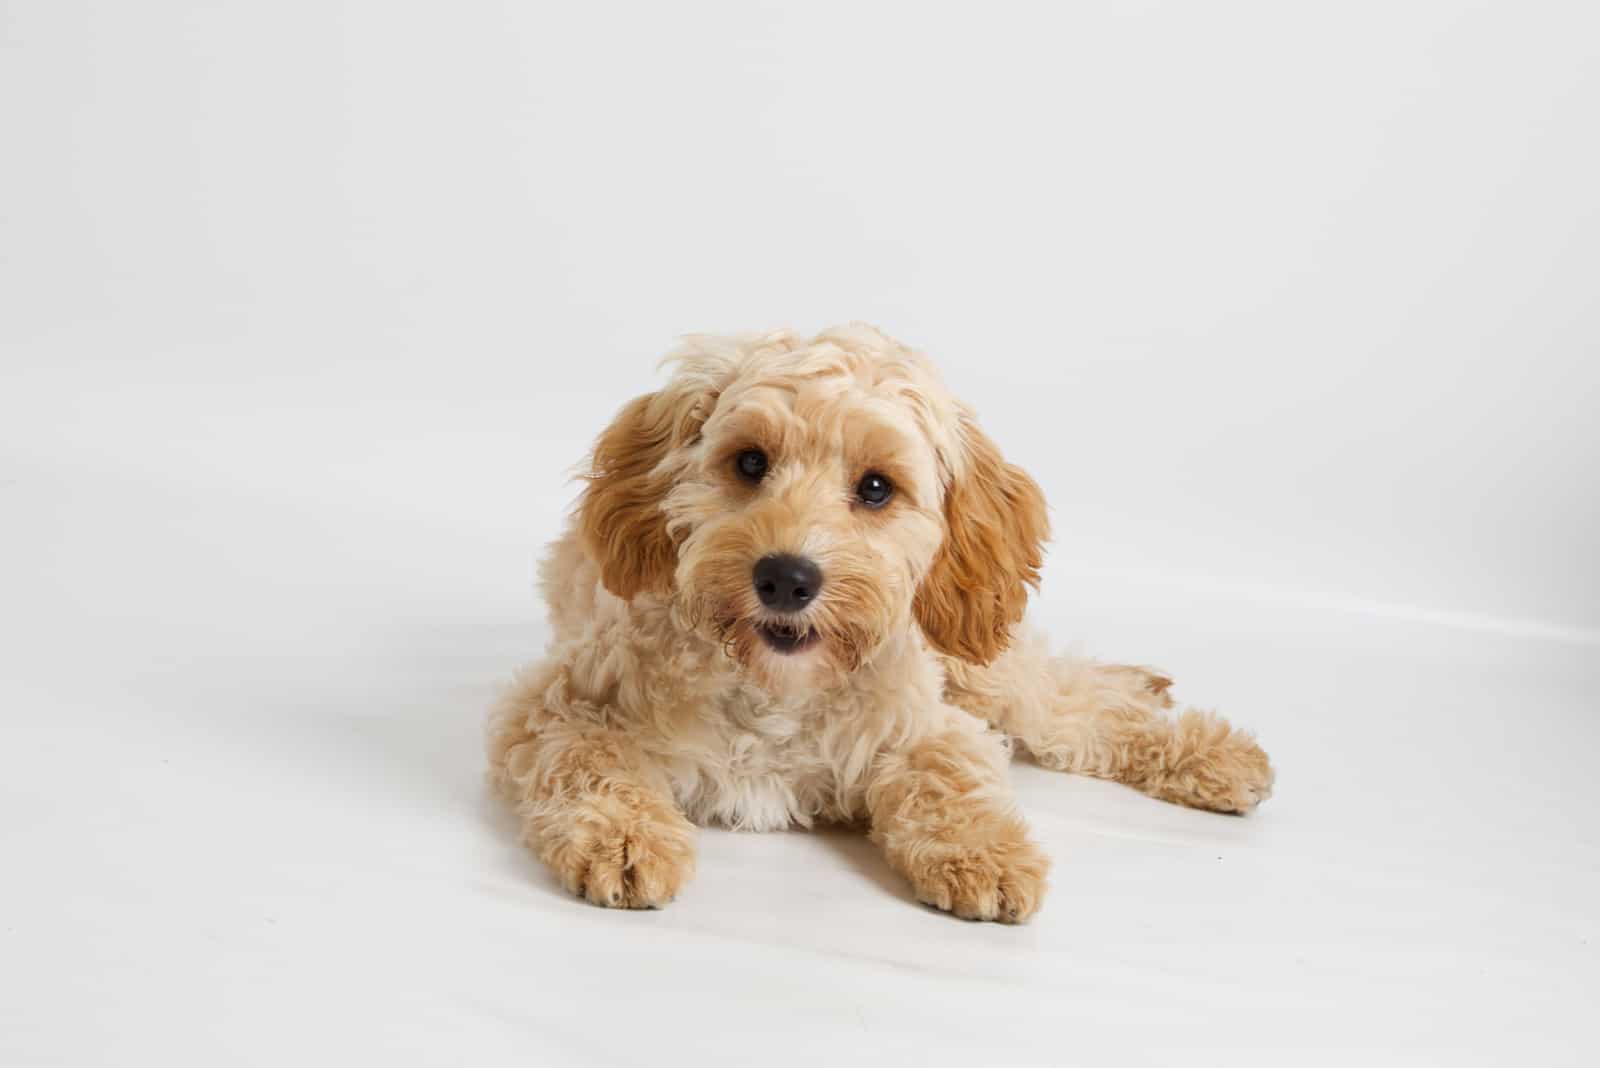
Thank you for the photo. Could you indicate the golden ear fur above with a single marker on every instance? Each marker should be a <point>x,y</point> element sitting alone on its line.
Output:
<point>619,516</point>
<point>996,524</point>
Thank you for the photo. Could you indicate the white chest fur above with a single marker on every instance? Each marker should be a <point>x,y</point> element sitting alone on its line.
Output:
<point>750,763</point>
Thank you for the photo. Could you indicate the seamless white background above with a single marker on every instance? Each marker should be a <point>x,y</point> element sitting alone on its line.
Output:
<point>308,309</point>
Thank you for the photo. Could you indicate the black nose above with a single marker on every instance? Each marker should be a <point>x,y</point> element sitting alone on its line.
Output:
<point>786,583</point>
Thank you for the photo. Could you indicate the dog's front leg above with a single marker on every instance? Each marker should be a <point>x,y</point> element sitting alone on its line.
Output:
<point>943,813</point>
<point>593,807</point>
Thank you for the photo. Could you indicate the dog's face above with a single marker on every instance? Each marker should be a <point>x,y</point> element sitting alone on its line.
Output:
<point>803,502</point>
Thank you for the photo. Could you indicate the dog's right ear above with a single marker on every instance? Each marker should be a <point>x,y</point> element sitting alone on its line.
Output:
<point>619,515</point>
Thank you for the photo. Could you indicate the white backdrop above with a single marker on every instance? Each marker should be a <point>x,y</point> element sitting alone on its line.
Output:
<point>1285,299</point>
<point>307,309</point>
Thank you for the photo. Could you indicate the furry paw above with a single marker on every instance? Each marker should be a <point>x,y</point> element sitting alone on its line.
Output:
<point>624,860</point>
<point>1212,765</point>
<point>1002,881</point>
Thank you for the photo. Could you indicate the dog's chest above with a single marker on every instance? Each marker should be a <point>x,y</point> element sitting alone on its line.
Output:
<point>755,765</point>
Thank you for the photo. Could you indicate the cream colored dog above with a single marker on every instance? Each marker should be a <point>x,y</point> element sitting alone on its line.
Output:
<point>791,593</point>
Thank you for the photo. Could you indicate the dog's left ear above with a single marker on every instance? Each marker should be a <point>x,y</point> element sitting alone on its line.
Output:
<point>995,528</point>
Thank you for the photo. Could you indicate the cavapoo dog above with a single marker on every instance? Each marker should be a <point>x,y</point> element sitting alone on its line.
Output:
<point>791,592</point>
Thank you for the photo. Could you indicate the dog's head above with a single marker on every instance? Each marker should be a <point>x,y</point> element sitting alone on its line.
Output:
<point>805,501</point>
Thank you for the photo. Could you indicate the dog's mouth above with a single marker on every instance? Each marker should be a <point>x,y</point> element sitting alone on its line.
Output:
<point>787,638</point>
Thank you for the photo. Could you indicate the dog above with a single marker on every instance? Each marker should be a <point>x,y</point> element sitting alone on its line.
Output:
<point>791,592</point>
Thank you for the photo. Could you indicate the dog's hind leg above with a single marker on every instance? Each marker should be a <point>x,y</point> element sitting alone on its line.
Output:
<point>1114,722</point>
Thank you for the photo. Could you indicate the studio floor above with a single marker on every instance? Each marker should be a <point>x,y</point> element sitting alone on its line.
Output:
<point>244,822</point>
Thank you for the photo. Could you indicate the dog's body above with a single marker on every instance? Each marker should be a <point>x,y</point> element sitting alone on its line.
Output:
<point>792,594</point>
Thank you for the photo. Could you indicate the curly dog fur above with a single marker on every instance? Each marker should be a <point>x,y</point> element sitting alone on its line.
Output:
<point>674,693</point>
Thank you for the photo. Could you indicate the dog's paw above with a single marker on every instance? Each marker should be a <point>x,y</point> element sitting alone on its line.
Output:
<point>625,861</point>
<point>1212,765</point>
<point>1002,881</point>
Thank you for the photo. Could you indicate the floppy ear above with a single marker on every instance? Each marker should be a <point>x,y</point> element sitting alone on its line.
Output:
<point>619,515</point>
<point>995,526</point>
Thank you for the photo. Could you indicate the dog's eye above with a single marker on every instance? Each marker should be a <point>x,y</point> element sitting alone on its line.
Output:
<point>751,465</point>
<point>874,490</point>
